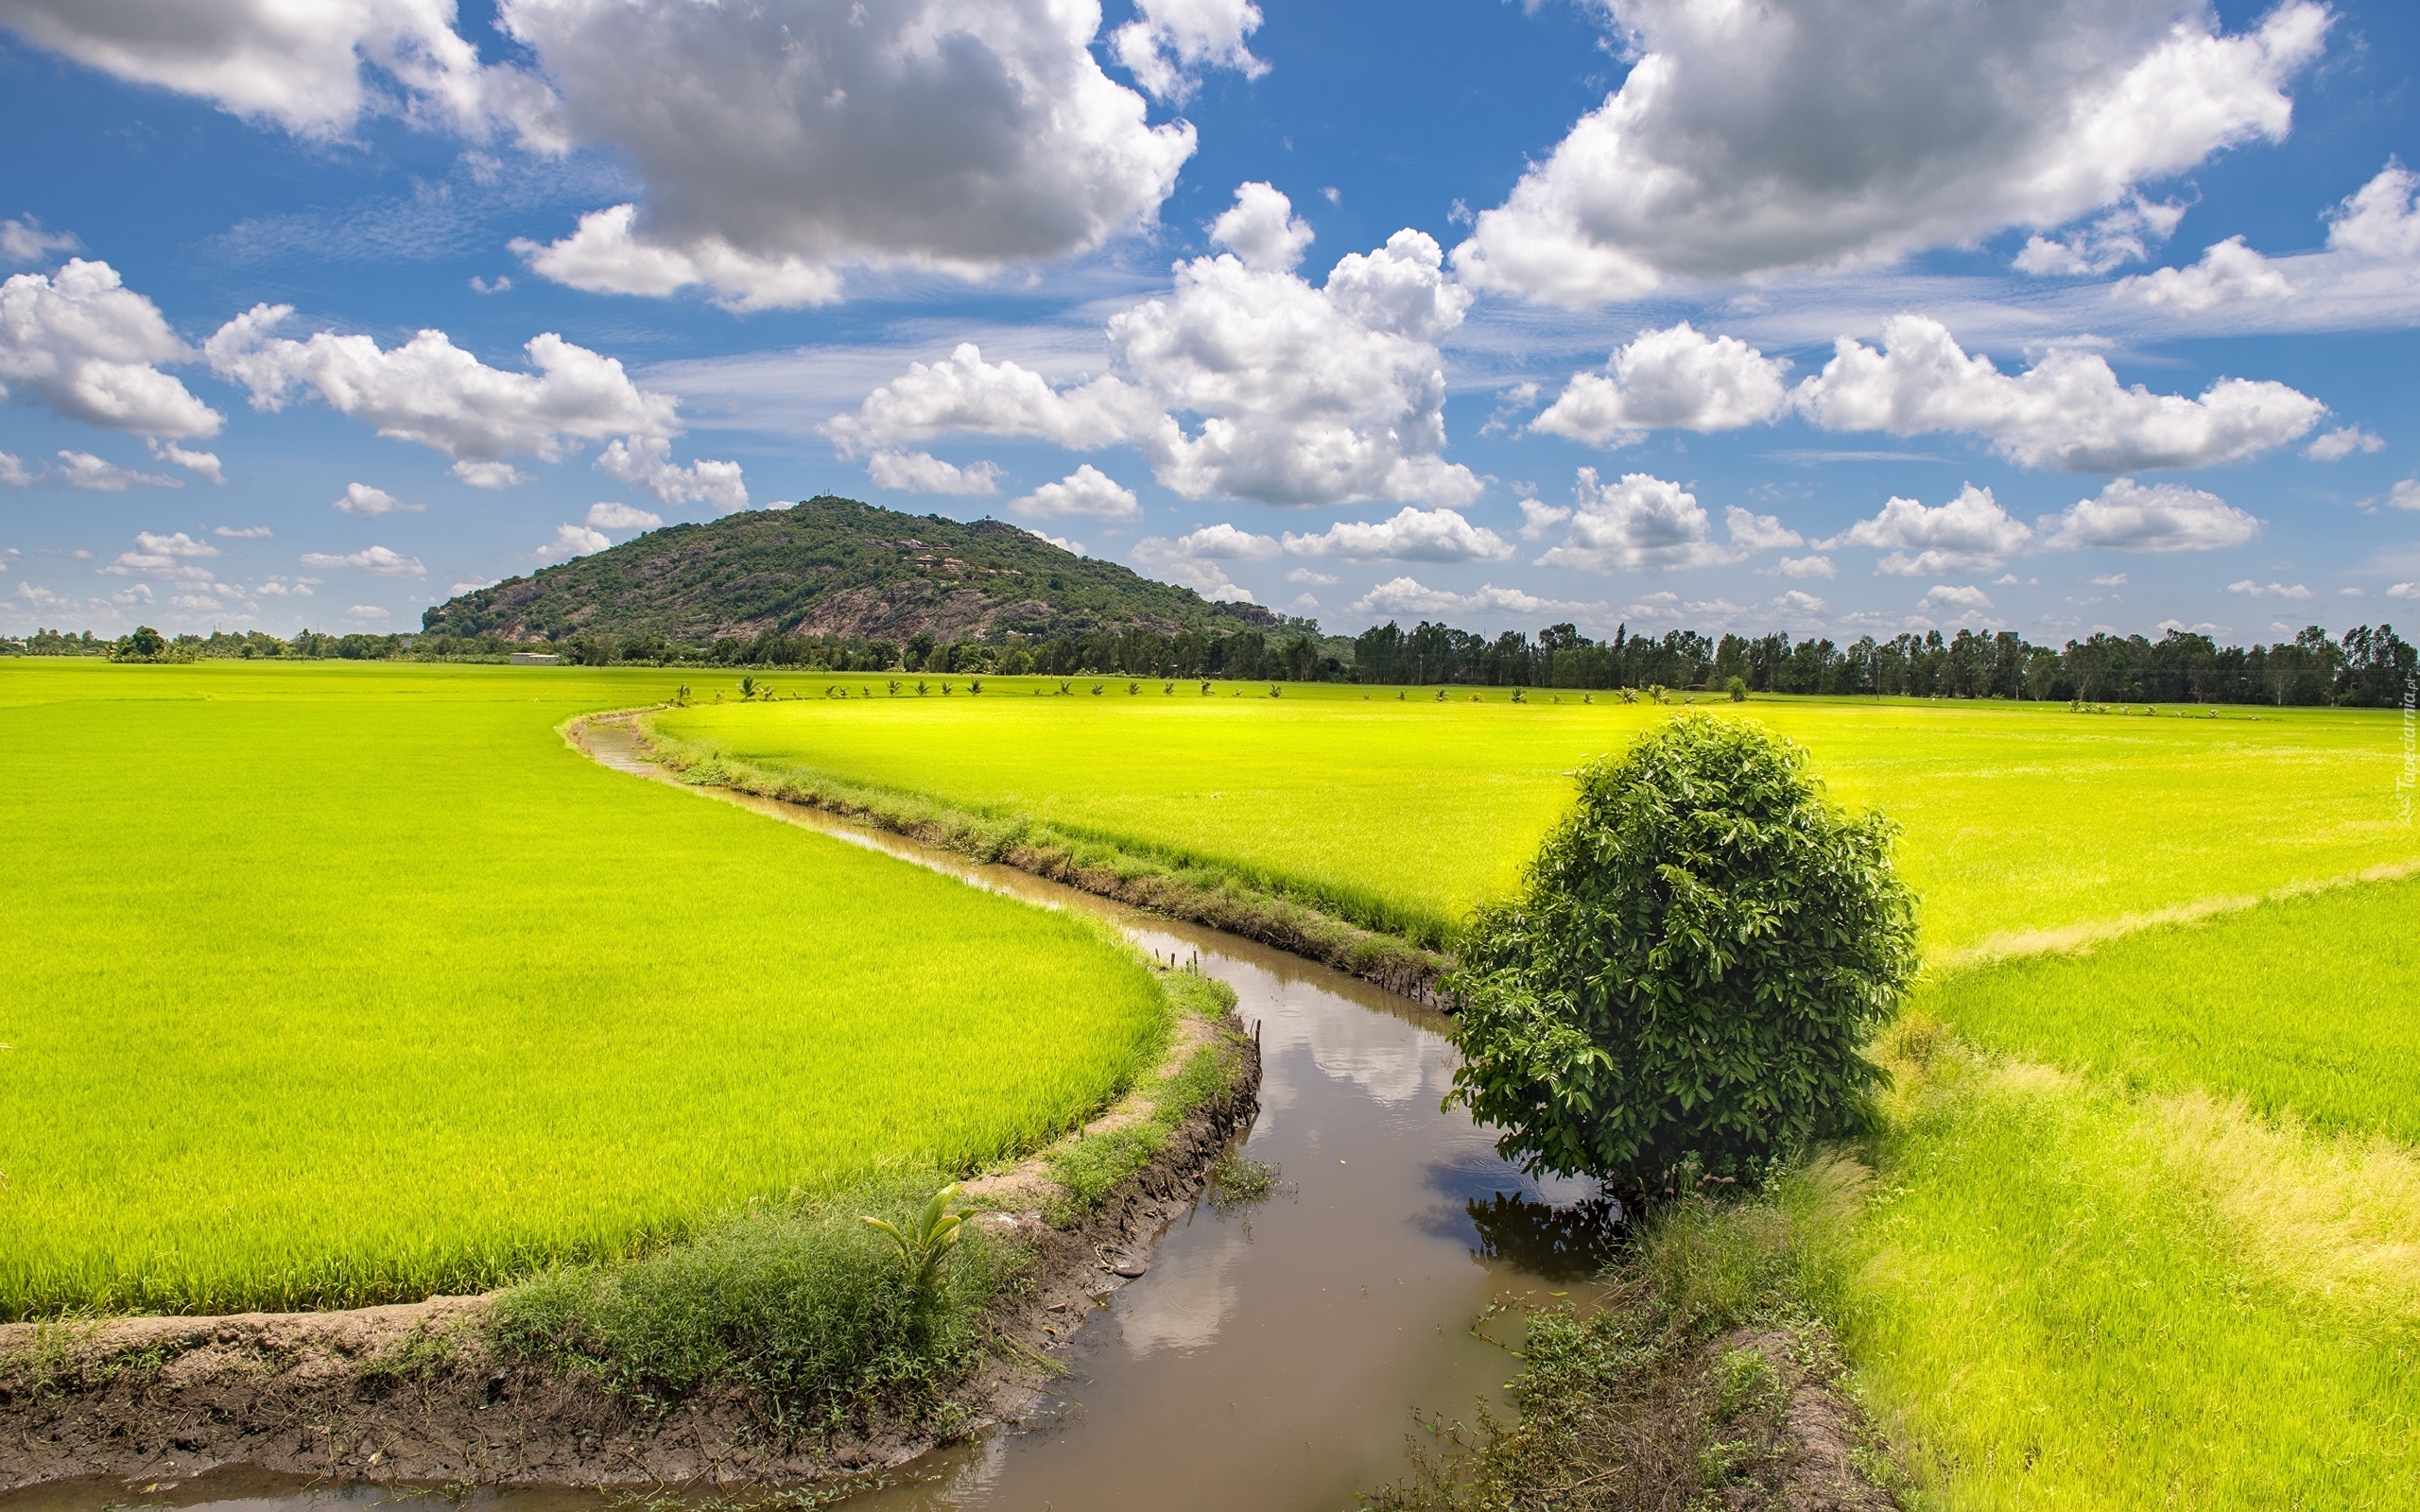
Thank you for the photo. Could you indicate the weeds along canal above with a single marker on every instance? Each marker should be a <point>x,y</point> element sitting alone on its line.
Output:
<point>1273,1356</point>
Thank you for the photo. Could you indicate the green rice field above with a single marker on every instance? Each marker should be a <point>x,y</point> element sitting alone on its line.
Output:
<point>2139,1226</point>
<point>330,983</point>
<point>2019,817</point>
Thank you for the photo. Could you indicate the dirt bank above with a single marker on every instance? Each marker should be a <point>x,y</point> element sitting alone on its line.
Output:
<point>413,1393</point>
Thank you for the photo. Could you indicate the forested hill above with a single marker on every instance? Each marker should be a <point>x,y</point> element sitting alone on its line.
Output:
<point>837,568</point>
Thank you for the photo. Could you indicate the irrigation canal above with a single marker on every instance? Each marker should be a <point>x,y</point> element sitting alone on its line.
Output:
<point>1272,1358</point>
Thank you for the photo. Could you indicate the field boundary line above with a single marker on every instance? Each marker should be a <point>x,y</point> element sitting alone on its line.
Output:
<point>2079,939</point>
<point>1216,898</point>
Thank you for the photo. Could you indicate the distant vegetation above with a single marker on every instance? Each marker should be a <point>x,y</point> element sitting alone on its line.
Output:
<point>832,585</point>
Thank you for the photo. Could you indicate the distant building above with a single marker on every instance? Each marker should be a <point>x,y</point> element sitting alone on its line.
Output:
<point>534,658</point>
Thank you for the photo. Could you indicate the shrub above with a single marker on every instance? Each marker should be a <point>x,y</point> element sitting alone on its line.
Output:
<point>1700,951</point>
<point>1737,688</point>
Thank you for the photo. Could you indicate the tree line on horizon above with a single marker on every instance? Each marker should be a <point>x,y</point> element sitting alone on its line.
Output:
<point>2364,667</point>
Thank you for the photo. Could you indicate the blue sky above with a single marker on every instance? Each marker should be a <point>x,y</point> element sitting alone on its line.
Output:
<point>1817,315</point>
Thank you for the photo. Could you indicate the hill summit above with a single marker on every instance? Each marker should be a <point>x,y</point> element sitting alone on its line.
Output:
<point>837,568</point>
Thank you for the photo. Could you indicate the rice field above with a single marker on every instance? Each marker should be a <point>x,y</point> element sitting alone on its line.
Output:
<point>329,983</point>
<point>1406,814</point>
<point>2140,1229</point>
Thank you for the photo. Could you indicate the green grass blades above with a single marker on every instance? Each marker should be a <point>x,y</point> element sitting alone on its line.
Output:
<point>328,984</point>
<point>1406,814</point>
<point>2308,1005</point>
<point>2069,1297</point>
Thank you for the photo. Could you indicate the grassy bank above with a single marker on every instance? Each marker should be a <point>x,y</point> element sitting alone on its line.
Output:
<point>328,984</point>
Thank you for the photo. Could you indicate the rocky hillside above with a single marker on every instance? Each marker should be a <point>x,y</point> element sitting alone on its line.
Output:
<point>832,567</point>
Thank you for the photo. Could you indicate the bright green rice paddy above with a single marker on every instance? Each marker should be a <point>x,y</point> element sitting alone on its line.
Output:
<point>2017,816</point>
<point>2140,1230</point>
<point>327,984</point>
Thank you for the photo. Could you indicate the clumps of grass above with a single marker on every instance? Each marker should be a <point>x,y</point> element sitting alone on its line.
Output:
<point>1086,1169</point>
<point>1238,1181</point>
<point>1702,1378</point>
<point>803,1309</point>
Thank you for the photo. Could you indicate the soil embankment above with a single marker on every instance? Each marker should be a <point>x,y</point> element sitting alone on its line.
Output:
<point>413,1393</point>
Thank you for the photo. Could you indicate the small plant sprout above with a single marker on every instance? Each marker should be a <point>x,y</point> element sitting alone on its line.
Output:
<point>681,696</point>
<point>1065,687</point>
<point>894,687</point>
<point>1275,692</point>
<point>1205,690</point>
<point>920,687</point>
<point>747,689</point>
<point>972,687</point>
<point>1169,690</point>
<point>1133,688</point>
<point>1097,687</point>
<point>926,1243</point>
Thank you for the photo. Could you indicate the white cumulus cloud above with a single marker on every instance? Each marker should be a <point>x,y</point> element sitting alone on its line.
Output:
<point>1227,542</point>
<point>167,559</point>
<point>1970,533</point>
<point>363,501</point>
<point>1262,228</point>
<point>646,462</point>
<point>2067,411</point>
<point>570,540</point>
<point>2379,221</point>
<point>964,394</point>
<point>1674,377</point>
<point>2338,444</point>
<point>82,469</point>
<point>1751,532</point>
<point>87,347</point>
<point>2248,589</point>
<point>1245,382</point>
<point>785,141</point>
<point>1170,41</point>
<point>608,515</point>
<point>1412,535</point>
<point>923,473</point>
<point>1087,492</point>
<point>1824,133</point>
<point>314,69</point>
<point>2228,273</point>
<point>1409,595</point>
<point>378,561</point>
<point>1943,598</point>
<point>2125,234</point>
<point>2128,516</point>
<point>14,470</point>
<point>27,240</point>
<point>431,391</point>
<point>1642,522</point>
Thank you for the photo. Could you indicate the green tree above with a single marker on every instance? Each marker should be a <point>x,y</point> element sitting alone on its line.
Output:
<point>143,645</point>
<point>1699,954</point>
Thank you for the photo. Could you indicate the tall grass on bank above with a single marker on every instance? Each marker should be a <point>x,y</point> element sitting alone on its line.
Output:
<point>799,1307</point>
<point>2065,1293</point>
<point>2308,1005</point>
<point>327,985</point>
<point>1405,814</point>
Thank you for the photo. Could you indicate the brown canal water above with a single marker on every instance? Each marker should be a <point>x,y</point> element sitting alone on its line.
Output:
<point>1271,1359</point>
